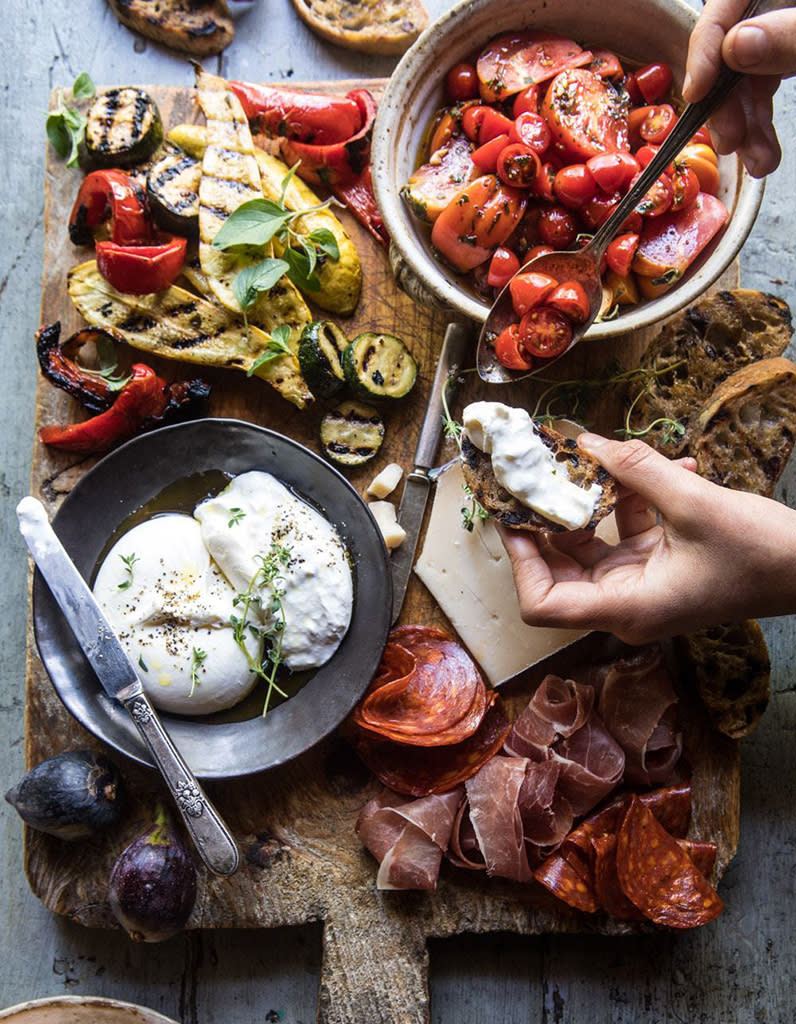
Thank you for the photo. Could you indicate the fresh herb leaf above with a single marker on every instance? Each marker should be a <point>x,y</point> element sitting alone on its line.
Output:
<point>260,277</point>
<point>108,366</point>
<point>83,87</point>
<point>236,515</point>
<point>474,512</point>
<point>129,561</point>
<point>58,134</point>
<point>142,664</point>
<point>198,659</point>
<point>66,126</point>
<point>300,272</point>
<point>253,223</point>
<point>277,346</point>
<point>286,182</point>
<point>324,239</point>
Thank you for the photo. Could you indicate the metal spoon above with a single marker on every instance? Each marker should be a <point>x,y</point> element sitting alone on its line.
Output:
<point>583,265</point>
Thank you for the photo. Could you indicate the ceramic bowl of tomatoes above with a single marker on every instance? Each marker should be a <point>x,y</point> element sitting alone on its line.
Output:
<point>512,128</point>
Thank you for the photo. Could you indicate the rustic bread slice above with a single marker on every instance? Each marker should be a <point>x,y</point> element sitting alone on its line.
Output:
<point>506,509</point>
<point>198,27</point>
<point>744,435</point>
<point>713,338</point>
<point>370,26</point>
<point>730,668</point>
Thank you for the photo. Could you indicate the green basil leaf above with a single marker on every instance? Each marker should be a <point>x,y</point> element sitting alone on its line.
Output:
<point>260,277</point>
<point>73,119</point>
<point>286,181</point>
<point>299,272</point>
<point>281,335</point>
<point>253,223</point>
<point>83,87</point>
<point>324,239</point>
<point>58,134</point>
<point>310,252</point>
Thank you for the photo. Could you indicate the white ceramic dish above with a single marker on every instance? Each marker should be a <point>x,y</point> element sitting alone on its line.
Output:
<point>644,30</point>
<point>80,1010</point>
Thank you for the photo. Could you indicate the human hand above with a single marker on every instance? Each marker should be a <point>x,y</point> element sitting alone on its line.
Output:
<point>764,48</point>
<point>716,556</point>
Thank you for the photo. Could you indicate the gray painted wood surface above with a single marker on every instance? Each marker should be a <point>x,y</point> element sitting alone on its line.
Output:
<point>740,969</point>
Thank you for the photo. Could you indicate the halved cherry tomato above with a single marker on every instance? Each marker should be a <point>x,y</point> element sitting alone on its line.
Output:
<point>606,64</point>
<point>669,244</point>
<point>518,166</point>
<point>651,124</point>
<point>658,199</point>
<point>141,269</point>
<point>527,101</point>
<point>529,290</point>
<point>702,161</point>
<point>703,137</point>
<point>685,187</point>
<point>543,186</point>
<point>619,254</point>
<point>485,157</point>
<point>574,185</point>
<point>461,83</point>
<point>557,227</point>
<point>654,81</point>
<point>502,267</point>
<point>481,124</point>
<point>585,115</point>
<point>545,332</point>
<point>570,299</point>
<point>476,221</point>
<point>507,349</point>
<point>644,154</point>
<point>532,131</point>
<point>632,90</point>
<point>537,250</point>
<point>613,172</point>
<point>515,60</point>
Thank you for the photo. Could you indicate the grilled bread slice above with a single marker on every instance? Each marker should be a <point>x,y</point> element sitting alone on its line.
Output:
<point>506,509</point>
<point>745,434</point>
<point>713,338</point>
<point>369,26</point>
<point>199,28</point>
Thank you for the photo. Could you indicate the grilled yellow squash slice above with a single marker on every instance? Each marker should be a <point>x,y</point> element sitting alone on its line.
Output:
<point>175,324</point>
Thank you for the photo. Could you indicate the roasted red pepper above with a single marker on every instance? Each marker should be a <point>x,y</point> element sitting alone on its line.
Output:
<point>358,197</point>
<point>110,194</point>
<point>304,116</point>
<point>141,269</point>
<point>59,366</point>
<point>338,163</point>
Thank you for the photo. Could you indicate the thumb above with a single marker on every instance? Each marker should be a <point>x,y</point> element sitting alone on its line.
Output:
<point>764,45</point>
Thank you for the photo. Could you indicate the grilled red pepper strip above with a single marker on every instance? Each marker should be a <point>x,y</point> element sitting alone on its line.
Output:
<point>141,269</point>
<point>110,194</point>
<point>304,116</point>
<point>58,365</point>
<point>358,197</point>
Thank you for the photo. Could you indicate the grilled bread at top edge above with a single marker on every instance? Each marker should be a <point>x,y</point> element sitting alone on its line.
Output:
<point>200,29</point>
<point>370,26</point>
<point>507,510</point>
<point>745,434</point>
<point>713,338</point>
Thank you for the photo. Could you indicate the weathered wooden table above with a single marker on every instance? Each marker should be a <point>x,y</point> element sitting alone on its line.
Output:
<point>741,968</point>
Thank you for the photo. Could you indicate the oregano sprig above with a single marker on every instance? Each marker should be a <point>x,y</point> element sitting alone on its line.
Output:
<point>65,125</point>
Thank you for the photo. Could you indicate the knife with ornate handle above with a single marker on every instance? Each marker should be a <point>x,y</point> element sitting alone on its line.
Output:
<point>457,344</point>
<point>119,679</point>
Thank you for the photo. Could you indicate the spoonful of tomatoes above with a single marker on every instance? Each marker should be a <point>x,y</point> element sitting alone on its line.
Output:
<point>551,302</point>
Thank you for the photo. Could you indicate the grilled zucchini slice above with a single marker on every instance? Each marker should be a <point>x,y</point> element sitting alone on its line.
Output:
<point>351,434</point>
<point>320,351</point>
<point>123,127</point>
<point>379,366</point>
<point>172,187</point>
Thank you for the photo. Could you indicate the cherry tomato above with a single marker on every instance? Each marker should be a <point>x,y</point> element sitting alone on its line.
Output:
<point>703,137</point>
<point>543,186</point>
<point>507,349</point>
<point>527,101</point>
<point>485,157</point>
<point>585,115</point>
<point>518,166</point>
<point>685,187</point>
<point>537,250</point>
<point>632,90</point>
<point>659,198</point>
<point>461,83</point>
<point>570,299</point>
<point>515,60</point>
<point>654,81</point>
<point>613,172</point>
<point>557,227</point>
<point>529,290</point>
<point>479,218</point>
<point>481,124</point>
<point>574,185</point>
<point>502,267</point>
<point>619,254</point>
<point>652,124</point>
<point>605,64</point>
<point>644,154</point>
<point>598,209</point>
<point>702,161</point>
<point>532,131</point>
<point>671,243</point>
<point>545,332</point>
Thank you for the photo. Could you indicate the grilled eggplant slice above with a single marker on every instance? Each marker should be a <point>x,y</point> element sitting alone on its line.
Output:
<point>379,366</point>
<point>198,27</point>
<point>123,128</point>
<point>320,351</point>
<point>176,324</point>
<point>173,191</point>
<point>351,434</point>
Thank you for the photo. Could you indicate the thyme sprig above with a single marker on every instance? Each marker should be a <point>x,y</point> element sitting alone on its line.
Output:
<point>672,430</point>
<point>474,512</point>
<point>129,561</point>
<point>198,659</point>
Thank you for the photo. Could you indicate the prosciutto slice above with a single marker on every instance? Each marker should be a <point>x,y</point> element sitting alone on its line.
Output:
<point>558,708</point>
<point>493,796</point>
<point>408,837</point>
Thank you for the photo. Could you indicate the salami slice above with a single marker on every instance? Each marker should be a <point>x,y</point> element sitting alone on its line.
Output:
<point>607,889</point>
<point>569,878</point>
<point>702,854</point>
<point>658,876</point>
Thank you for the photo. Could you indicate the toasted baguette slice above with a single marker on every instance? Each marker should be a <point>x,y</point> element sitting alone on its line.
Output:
<point>370,26</point>
<point>506,509</point>
<point>731,669</point>
<point>199,28</point>
<point>744,436</point>
<point>713,338</point>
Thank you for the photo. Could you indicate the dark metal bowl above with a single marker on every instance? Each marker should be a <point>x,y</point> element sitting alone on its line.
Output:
<point>133,475</point>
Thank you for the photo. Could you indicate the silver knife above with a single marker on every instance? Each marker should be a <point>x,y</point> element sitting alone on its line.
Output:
<point>456,347</point>
<point>108,659</point>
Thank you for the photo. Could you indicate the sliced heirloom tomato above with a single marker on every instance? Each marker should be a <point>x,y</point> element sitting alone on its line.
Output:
<point>613,172</point>
<point>654,81</point>
<point>545,332</point>
<point>586,115</point>
<point>529,290</point>
<point>574,186</point>
<point>486,157</point>
<point>480,218</point>
<point>461,83</point>
<point>502,267</point>
<point>519,166</point>
<point>433,185</point>
<point>570,299</point>
<point>669,244</point>
<point>508,351</point>
<point>515,60</point>
<point>527,101</point>
<point>606,64</point>
<point>703,162</point>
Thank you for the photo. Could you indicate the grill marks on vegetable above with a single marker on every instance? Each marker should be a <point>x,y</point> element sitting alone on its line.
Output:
<point>352,433</point>
<point>173,191</point>
<point>123,128</point>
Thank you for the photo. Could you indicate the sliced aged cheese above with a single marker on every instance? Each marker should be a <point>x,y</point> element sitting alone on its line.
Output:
<point>392,531</point>
<point>386,481</point>
<point>469,576</point>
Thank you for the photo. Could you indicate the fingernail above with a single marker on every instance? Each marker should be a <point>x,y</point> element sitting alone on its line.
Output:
<point>592,441</point>
<point>686,85</point>
<point>749,45</point>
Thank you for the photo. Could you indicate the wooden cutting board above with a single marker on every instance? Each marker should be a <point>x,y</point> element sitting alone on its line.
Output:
<point>294,824</point>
